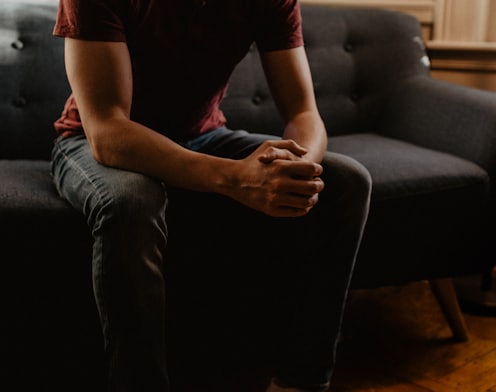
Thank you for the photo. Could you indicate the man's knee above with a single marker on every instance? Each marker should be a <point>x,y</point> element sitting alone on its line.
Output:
<point>347,178</point>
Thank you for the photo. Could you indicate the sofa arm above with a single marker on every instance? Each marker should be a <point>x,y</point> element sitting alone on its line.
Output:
<point>446,117</point>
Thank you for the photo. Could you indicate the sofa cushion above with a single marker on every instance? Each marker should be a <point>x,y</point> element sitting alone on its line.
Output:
<point>27,188</point>
<point>400,169</point>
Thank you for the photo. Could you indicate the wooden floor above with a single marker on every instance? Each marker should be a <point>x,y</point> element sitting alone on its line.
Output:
<point>395,339</point>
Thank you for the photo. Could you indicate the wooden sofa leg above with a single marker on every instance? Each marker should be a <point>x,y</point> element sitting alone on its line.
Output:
<point>445,294</point>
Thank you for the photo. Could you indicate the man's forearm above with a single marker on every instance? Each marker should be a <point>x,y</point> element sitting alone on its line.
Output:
<point>130,146</point>
<point>308,130</point>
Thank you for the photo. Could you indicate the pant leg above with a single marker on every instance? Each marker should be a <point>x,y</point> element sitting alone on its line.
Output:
<point>327,241</point>
<point>125,212</point>
<point>310,259</point>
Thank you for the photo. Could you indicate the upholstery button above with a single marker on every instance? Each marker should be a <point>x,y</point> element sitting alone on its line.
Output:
<point>19,102</point>
<point>257,99</point>
<point>348,47</point>
<point>17,44</point>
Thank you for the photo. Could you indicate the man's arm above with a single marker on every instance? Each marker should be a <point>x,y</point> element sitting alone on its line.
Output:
<point>290,81</point>
<point>101,80</point>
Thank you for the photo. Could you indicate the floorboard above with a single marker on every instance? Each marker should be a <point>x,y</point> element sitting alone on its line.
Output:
<point>396,339</point>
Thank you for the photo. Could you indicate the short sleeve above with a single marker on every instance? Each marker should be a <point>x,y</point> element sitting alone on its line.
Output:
<point>280,26</point>
<point>96,20</point>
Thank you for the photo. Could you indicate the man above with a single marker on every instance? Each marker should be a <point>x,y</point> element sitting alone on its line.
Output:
<point>147,80</point>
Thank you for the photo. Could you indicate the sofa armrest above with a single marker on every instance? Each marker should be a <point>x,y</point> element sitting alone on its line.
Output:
<point>446,117</point>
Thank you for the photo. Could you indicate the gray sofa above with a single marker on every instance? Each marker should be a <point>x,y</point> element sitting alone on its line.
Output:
<point>430,147</point>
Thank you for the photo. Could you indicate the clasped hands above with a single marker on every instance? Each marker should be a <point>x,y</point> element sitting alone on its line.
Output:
<point>277,180</point>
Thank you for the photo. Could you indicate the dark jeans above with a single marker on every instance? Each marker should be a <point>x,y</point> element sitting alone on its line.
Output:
<point>311,258</point>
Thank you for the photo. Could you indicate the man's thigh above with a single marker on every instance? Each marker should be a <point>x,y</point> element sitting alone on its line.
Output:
<point>89,185</point>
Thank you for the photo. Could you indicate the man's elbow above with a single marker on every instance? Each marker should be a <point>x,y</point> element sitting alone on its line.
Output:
<point>102,149</point>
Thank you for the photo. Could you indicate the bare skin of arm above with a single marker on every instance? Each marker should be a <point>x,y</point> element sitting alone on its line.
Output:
<point>280,178</point>
<point>291,85</point>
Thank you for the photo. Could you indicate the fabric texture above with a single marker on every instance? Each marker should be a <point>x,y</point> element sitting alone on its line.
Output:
<point>417,171</point>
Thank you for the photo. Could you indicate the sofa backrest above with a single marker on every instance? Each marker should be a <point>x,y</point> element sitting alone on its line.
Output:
<point>356,56</point>
<point>33,86</point>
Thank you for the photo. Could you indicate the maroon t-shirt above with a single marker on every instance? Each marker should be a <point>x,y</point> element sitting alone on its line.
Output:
<point>182,52</point>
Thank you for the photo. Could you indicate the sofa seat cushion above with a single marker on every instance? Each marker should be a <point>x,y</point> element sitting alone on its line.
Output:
<point>442,196</point>
<point>27,188</point>
<point>401,169</point>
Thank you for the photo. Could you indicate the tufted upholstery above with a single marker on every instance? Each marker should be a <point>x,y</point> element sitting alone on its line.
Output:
<point>343,52</point>
<point>30,99</point>
<point>430,148</point>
